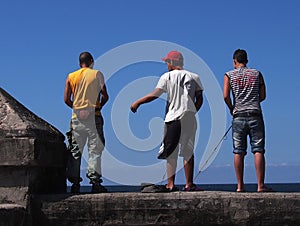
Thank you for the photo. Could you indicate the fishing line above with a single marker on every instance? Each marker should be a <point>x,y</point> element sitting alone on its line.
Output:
<point>163,178</point>
<point>213,152</point>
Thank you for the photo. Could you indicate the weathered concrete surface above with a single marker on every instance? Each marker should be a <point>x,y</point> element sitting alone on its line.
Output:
<point>12,215</point>
<point>18,121</point>
<point>178,208</point>
<point>31,151</point>
<point>32,154</point>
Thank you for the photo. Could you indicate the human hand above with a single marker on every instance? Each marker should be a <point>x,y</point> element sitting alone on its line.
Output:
<point>134,107</point>
<point>231,111</point>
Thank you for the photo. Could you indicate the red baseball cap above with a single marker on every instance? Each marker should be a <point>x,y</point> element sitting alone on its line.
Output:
<point>174,56</point>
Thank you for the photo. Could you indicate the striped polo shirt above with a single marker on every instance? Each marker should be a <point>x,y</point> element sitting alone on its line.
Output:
<point>245,84</point>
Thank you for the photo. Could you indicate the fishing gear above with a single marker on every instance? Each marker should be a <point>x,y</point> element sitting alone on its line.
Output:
<point>213,152</point>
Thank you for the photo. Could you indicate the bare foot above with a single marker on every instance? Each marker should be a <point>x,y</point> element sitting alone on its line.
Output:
<point>265,189</point>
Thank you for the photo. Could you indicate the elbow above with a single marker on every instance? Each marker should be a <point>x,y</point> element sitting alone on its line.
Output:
<point>106,98</point>
<point>66,100</point>
<point>261,99</point>
<point>226,98</point>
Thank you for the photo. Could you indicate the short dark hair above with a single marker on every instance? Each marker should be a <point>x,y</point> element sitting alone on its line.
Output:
<point>241,56</point>
<point>86,58</point>
<point>176,63</point>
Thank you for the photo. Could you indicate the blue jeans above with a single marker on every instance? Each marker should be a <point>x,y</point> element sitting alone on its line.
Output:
<point>90,131</point>
<point>252,126</point>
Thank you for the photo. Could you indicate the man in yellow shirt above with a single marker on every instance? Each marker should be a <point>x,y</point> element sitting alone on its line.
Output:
<point>85,92</point>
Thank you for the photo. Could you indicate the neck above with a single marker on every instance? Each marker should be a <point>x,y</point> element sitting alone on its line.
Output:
<point>86,66</point>
<point>171,68</point>
<point>239,65</point>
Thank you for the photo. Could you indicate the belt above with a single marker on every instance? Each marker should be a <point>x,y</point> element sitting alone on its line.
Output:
<point>97,110</point>
<point>247,114</point>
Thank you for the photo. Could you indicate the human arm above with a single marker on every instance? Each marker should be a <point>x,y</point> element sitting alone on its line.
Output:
<point>68,94</point>
<point>104,96</point>
<point>226,93</point>
<point>262,88</point>
<point>146,99</point>
<point>199,99</point>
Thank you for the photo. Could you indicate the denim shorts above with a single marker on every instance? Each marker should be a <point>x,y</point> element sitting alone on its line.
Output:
<point>252,126</point>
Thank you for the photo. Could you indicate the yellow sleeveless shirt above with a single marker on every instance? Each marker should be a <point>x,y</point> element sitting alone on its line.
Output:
<point>86,84</point>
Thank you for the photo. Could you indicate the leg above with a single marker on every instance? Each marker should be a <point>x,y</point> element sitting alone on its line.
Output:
<point>172,132</point>
<point>189,171</point>
<point>171,171</point>
<point>257,140</point>
<point>73,169</point>
<point>239,170</point>
<point>187,140</point>
<point>259,160</point>
<point>170,150</point>
<point>95,148</point>
<point>73,172</point>
<point>239,137</point>
<point>76,139</point>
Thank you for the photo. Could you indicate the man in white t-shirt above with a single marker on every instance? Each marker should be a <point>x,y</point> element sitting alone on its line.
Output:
<point>184,99</point>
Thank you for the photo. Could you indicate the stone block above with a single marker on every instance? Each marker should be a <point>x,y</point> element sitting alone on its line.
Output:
<point>12,215</point>
<point>32,153</point>
<point>177,208</point>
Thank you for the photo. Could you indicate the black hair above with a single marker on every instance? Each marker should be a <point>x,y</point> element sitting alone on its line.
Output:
<point>176,63</point>
<point>86,58</point>
<point>240,56</point>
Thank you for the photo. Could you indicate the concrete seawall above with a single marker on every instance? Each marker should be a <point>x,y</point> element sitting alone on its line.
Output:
<point>178,208</point>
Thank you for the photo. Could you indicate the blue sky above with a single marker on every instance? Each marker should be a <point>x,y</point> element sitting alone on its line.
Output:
<point>41,41</point>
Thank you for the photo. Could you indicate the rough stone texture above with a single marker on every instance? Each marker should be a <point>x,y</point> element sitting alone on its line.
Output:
<point>178,208</point>
<point>12,215</point>
<point>31,151</point>
<point>14,195</point>
<point>32,154</point>
<point>17,121</point>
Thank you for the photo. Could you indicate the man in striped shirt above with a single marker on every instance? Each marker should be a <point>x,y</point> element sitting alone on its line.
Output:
<point>248,90</point>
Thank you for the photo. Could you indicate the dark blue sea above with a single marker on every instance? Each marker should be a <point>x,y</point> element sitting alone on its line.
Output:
<point>278,187</point>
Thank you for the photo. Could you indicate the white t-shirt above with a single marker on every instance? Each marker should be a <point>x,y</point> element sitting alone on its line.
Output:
<point>180,86</point>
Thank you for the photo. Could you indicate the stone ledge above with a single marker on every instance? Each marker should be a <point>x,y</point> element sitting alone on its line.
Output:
<point>14,195</point>
<point>178,208</point>
<point>31,152</point>
<point>12,214</point>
